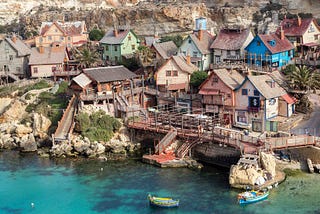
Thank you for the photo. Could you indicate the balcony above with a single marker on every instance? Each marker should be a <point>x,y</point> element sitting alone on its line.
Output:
<point>253,109</point>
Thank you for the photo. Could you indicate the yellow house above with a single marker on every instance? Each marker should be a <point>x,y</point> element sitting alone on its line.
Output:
<point>67,34</point>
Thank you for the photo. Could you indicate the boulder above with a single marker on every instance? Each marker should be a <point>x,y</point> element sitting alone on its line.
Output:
<point>61,149</point>
<point>41,125</point>
<point>28,143</point>
<point>80,146</point>
<point>241,177</point>
<point>15,112</point>
<point>7,141</point>
<point>22,130</point>
<point>268,163</point>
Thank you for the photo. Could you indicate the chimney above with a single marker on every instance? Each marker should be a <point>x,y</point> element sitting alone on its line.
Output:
<point>299,21</point>
<point>281,33</point>
<point>188,58</point>
<point>41,49</point>
<point>200,32</point>
<point>14,38</point>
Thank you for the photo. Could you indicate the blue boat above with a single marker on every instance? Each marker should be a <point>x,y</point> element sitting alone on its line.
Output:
<point>252,196</point>
<point>163,202</point>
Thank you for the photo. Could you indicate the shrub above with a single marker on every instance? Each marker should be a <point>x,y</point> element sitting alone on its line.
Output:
<point>98,126</point>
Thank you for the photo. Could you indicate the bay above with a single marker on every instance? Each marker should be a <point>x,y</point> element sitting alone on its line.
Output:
<point>90,186</point>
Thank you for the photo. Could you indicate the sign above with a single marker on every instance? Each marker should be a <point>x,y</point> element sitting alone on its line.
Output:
<point>254,102</point>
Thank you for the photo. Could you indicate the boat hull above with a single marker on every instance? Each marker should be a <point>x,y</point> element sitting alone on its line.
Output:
<point>253,200</point>
<point>163,202</point>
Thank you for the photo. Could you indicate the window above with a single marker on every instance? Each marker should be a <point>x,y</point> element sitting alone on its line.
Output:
<point>256,93</point>
<point>244,91</point>
<point>241,117</point>
<point>228,52</point>
<point>311,29</point>
<point>69,38</point>
<point>229,96</point>
<point>237,52</point>
<point>107,47</point>
<point>316,37</point>
<point>195,54</point>
<point>50,37</point>
<point>133,47</point>
<point>61,38</point>
<point>115,48</point>
<point>35,70</point>
<point>129,37</point>
<point>107,58</point>
<point>116,58</point>
<point>215,79</point>
<point>184,53</point>
<point>258,43</point>
<point>175,73</point>
<point>168,73</point>
<point>189,41</point>
<point>10,57</point>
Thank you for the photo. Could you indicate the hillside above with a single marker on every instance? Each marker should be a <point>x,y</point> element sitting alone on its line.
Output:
<point>148,17</point>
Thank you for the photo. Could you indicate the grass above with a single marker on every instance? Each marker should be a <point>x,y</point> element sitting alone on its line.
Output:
<point>50,105</point>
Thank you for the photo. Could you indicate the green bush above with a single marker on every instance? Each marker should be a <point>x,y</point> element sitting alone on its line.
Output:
<point>63,88</point>
<point>97,126</point>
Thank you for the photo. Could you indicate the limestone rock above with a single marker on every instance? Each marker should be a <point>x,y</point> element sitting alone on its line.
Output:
<point>268,163</point>
<point>15,112</point>
<point>241,177</point>
<point>7,141</point>
<point>22,130</point>
<point>81,146</point>
<point>41,125</point>
<point>28,143</point>
<point>61,149</point>
<point>4,103</point>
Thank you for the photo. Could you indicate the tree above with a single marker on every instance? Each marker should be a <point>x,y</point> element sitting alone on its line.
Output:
<point>87,58</point>
<point>145,55</point>
<point>303,78</point>
<point>96,34</point>
<point>197,78</point>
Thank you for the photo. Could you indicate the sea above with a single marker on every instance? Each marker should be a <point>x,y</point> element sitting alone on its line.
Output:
<point>32,184</point>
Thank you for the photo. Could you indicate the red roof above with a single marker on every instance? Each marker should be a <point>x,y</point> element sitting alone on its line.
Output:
<point>280,45</point>
<point>289,99</point>
<point>291,27</point>
<point>230,39</point>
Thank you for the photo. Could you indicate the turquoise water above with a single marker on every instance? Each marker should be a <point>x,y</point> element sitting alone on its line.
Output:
<point>84,186</point>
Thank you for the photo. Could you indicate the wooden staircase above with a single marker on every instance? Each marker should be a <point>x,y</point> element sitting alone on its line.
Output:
<point>166,141</point>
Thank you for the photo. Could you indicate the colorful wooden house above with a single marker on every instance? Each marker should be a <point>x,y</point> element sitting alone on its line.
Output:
<point>229,45</point>
<point>174,74</point>
<point>218,95</point>
<point>14,57</point>
<point>304,34</point>
<point>269,51</point>
<point>197,45</point>
<point>69,34</point>
<point>119,43</point>
<point>45,61</point>
<point>260,101</point>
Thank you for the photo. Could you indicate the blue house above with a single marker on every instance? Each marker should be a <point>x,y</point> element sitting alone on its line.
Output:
<point>197,45</point>
<point>269,51</point>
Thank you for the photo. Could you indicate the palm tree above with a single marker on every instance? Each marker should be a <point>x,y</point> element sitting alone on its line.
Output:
<point>303,78</point>
<point>87,58</point>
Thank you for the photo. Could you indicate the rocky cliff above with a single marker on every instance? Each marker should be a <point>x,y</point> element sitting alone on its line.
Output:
<point>148,17</point>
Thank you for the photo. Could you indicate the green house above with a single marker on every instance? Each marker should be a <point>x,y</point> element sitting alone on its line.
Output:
<point>118,44</point>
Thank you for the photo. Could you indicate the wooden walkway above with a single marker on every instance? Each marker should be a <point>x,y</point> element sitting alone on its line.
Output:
<point>187,127</point>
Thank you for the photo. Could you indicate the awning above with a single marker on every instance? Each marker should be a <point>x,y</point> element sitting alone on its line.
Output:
<point>178,86</point>
<point>310,44</point>
<point>289,99</point>
<point>208,92</point>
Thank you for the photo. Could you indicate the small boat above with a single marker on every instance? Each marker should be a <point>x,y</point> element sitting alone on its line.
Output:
<point>163,202</point>
<point>252,196</point>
